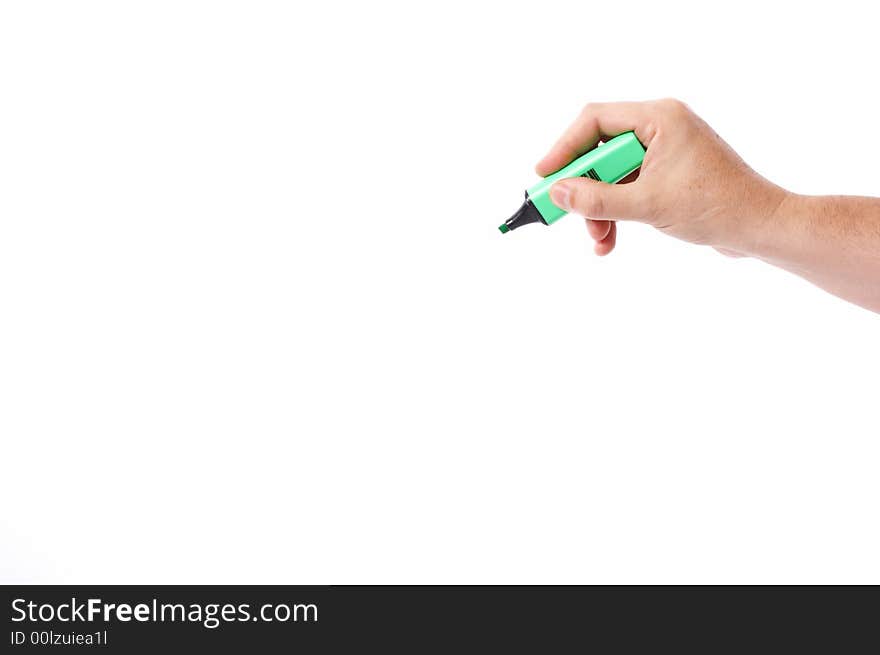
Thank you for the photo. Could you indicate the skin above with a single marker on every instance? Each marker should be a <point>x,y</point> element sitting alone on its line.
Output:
<point>694,187</point>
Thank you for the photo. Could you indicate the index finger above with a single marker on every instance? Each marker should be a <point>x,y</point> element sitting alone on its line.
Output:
<point>595,121</point>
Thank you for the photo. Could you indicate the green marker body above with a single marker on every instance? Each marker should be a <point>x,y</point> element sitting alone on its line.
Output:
<point>610,162</point>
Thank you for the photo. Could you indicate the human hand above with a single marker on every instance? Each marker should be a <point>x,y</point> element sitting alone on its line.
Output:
<point>691,185</point>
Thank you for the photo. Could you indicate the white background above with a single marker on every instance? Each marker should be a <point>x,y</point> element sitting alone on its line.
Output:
<point>257,324</point>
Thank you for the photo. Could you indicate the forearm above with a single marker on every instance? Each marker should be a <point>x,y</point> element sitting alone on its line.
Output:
<point>832,241</point>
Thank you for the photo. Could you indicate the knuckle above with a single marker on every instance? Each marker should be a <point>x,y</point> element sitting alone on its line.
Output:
<point>674,106</point>
<point>590,114</point>
<point>588,109</point>
<point>672,112</point>
<point>683,108</point>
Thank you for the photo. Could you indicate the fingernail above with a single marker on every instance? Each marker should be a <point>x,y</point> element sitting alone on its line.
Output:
<point>560,194</point>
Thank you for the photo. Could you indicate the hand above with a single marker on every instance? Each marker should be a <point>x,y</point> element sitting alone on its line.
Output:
<point>691,185</point>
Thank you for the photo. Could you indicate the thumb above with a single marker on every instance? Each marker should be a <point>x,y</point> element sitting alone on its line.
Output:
<point>598,199</point>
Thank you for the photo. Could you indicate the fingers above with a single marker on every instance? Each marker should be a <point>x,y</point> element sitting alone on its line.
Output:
<point>598,229</point>
<point>599,200</point>
<point>604,233</point>
<point>594,122</point>
<point>607,244</point>
<point>608,230</point>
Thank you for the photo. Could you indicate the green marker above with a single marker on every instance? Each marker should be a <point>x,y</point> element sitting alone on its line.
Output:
<point>610,162</point>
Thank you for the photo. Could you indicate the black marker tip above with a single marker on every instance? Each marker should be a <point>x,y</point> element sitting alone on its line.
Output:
<point>526,214</point>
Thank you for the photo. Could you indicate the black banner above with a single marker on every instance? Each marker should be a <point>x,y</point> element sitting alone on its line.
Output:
<point>151,619</point>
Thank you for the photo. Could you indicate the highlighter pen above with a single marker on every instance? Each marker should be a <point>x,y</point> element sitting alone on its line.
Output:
<point>610,162</point>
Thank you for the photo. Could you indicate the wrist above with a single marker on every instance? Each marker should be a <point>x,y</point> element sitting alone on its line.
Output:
<point>764,229</point>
